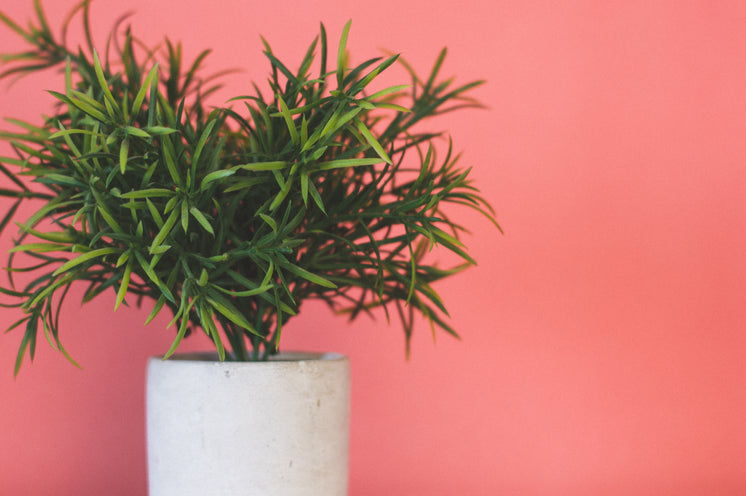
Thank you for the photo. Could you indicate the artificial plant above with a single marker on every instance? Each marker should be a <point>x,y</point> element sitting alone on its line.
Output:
<point>230,217</point>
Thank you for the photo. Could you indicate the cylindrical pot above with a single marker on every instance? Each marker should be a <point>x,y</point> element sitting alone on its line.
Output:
<point>279,427</point>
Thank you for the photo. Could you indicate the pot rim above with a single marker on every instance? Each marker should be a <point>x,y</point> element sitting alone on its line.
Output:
<point>283,356</point>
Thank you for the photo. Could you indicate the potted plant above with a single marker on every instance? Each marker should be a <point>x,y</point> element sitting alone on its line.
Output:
<point>229,217</point>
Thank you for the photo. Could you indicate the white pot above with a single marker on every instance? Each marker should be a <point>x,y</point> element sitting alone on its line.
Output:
<point>248,428</point>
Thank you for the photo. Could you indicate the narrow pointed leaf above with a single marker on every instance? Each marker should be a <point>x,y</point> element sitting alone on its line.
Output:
<point>202,140</point>
<point>316,279</point>
<point>264,166</point>
<point>341,54</point>
<point>348,162</point>
<point>140,97</point>
<point>288,120</point>
<point>85,257</point>
<point>123,154</point>
<point>165,230</point>
<point>124,285</point>
<point>200,217</point>
<point>103,83</point>
<point>372,141</point>
<point>229,311</point>
<point>147,193</point>
<point>214,176</point>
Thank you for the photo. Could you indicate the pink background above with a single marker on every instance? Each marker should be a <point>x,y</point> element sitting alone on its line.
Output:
<point>603,336</point>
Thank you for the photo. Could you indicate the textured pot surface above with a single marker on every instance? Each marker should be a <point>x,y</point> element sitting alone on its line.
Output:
<point>258,428</point>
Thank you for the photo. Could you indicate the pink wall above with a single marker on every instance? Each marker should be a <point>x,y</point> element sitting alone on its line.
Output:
<point>604,342</point>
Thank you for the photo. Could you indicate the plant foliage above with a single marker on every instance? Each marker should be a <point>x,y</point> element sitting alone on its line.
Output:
<point>229,217</point>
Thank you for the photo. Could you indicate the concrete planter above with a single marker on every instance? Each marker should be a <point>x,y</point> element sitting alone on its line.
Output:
<point>259,428</point>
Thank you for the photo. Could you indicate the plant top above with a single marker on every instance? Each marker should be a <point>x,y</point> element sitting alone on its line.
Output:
<point>229,217</point>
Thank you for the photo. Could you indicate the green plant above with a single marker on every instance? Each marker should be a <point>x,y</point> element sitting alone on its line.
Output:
<point>230,218</point>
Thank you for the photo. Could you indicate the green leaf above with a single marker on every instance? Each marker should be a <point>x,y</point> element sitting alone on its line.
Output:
<point>15,294</point>
<point>316,279</point>
<point>341,54</point>
<point>136,131</point>
<point>393,106</point>
<point>169,157</point>
<point>268,274</point>
<point>88,100</point>
<point>245,184</point>
<point>184,313</point>
<point>304,180</point>
<point>165,230</point>
<point>185,216</point>
<point>123,258</point>
<point>284,191</point>
<point>15,27</point>
<point>103,83</point>
<point>452,244</point>
<point>123,154</point>
<point>206,319</point>
<point>52,205</point>
<point>47,290</point>
<point>160,250</point>
<point>140,97</point>
<point>288,120</point>
<point>85,257</point>
<point>154,213</point>
<point>387,91</point>
<point>202,140</point>
<point>171,203</point>
<point>247,293</point>
<point>264,166</point>
<point>230,312</point>
<point>200,217</point>
<point>124,285</point>
<point>27,338</point>
<point>154,277</point>
<point>214,176</point>
<point>68,132</point>
<point>11,175</point>
<point>372,141</point>
<point>316,196</point>
<point>203,278</point>
<point>39,248</point>
<point>270,221</point>
<point>375,72</point>
<point>85,107</point>
<point>109,219</point>
<point>347,162</point>
<point>148,193</point>
<point>42,18</point>
<point>303,131</point>
<point>335,122</point>
<point>156,309</point>
<point>51,178</point>
<point>53,237</point>
<point>159,130</point>
<point>435,70</point>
